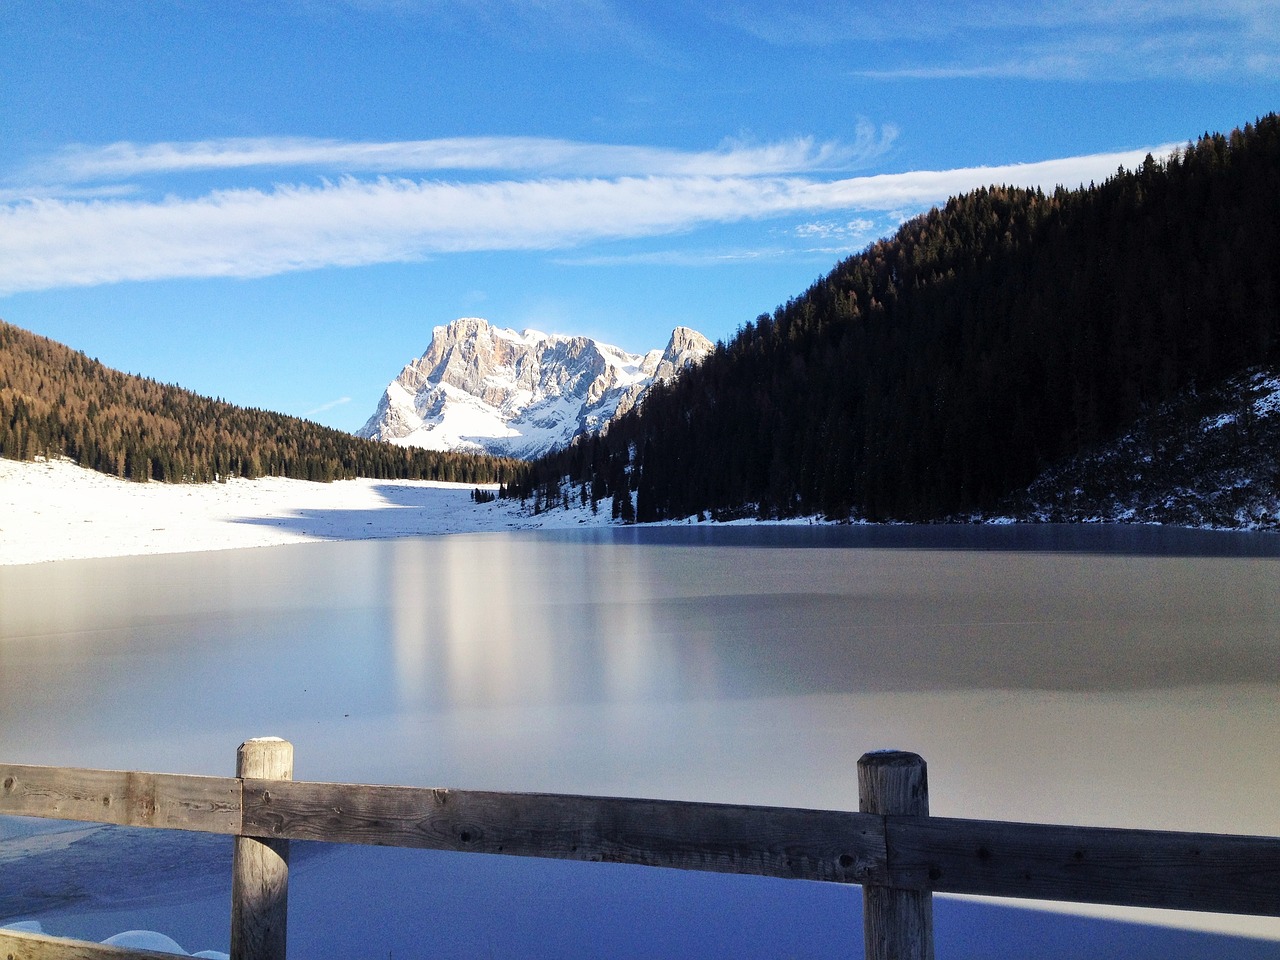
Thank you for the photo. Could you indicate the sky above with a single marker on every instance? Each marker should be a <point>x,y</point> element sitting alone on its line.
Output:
<point>276,201</point>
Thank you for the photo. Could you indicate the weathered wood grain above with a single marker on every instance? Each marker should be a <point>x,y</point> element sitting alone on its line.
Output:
<point>1187,871</point>
<point>125,798</point>
<point>774,842</point>
<point>260,867</point>
<point>1140,868</point>
<point>34,946</point>
<point>897,924</point>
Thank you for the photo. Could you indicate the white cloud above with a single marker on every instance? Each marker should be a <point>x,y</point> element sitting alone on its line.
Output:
<point>64,192</point>
<point>577,24</point>
<point>697,258</point>
<point>327,406</point>
<point>512,154</point>
<point>679,258</point>
<point>855,229</point>
<point>1031,39</point>
<point>48,243</point>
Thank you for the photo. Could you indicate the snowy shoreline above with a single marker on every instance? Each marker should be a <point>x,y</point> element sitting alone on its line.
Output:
<point>56,510</point>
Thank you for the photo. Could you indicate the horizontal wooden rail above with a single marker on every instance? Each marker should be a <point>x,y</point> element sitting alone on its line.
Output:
<point>894,847</point>
<point>1133,868</point>
<point>720,838</point>
<point>1148,868</point>
<point>124,798</point>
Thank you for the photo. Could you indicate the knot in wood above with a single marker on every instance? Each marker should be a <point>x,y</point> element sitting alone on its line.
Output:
<point>8,784</point>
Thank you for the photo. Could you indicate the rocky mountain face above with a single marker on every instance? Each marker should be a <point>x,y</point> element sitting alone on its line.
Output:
<point>485,389</point>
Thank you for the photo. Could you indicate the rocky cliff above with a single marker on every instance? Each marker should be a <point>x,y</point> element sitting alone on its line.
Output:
<point>482,388</point>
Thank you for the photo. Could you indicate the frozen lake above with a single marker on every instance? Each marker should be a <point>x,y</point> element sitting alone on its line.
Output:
<point>1086,675</point>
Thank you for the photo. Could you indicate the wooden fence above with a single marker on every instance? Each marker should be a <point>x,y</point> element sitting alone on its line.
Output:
<point>892,847</point>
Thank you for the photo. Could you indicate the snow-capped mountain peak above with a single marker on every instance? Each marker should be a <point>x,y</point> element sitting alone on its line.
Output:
<point>481,388</point>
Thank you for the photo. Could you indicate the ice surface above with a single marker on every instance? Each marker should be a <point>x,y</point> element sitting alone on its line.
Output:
<point>132,939</point>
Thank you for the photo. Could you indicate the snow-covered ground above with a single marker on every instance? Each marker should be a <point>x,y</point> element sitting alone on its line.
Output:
<point>56,510</point>
<point>129,939</point>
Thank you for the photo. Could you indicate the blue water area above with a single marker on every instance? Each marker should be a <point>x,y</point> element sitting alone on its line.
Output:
<point>374,902</point>
<point>1112,539</point>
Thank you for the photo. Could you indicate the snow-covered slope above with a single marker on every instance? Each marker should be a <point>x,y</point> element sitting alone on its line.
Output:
<point>481,388</point>
<point>1207,458</point>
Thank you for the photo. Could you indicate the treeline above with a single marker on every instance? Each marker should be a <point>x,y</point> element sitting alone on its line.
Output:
<point>57,402</point>
<point>944,368</point>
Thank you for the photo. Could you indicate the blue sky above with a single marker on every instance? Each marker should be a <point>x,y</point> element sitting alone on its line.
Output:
<point>274,202</point>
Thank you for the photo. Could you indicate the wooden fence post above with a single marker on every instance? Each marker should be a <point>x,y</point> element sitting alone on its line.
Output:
<point>896,924</point>
<point>260,867</point>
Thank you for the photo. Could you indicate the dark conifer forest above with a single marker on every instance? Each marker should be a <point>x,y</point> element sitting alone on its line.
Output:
<point>945,368</point>
<point>56,402</point>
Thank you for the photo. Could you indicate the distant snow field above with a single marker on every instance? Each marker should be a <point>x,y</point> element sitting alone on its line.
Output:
<point>56,510</point>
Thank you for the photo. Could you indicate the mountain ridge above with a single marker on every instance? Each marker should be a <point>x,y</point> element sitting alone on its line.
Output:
<point>486,389</point>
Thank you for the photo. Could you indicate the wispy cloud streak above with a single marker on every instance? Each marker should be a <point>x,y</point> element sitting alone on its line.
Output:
<point>47,243</point>
<point>537,155</point>
<point>1030,39</point>
<point>324,407</point>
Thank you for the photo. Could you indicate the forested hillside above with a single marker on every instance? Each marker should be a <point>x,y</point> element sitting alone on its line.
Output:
<point>947,367</point>
<point>1208,457</point>
<point>57,402</point>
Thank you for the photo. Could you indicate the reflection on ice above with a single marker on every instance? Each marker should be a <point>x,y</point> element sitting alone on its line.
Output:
<point>1079,678</point>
